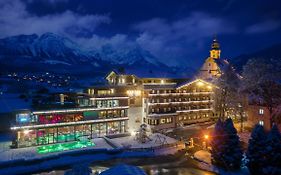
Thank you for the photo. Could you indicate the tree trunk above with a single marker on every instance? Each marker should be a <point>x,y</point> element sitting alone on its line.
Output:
<point>241,122</point>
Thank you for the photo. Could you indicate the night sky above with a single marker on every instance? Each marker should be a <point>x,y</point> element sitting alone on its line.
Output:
<point>177,31</point>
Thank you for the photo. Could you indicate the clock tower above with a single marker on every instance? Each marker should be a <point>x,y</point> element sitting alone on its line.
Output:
<point>210,68</point>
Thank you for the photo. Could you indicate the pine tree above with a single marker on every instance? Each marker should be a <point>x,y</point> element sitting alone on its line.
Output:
<point>226,148</point>
<point>256,150</point>
<point>233,153</point>
<point>217,144</point>
<point>273,152</point>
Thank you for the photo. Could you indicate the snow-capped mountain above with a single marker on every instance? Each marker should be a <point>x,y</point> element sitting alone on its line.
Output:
<point>52,52</point>
<point>267,54</point>
<point>46,47</point>
<point>126,56</point>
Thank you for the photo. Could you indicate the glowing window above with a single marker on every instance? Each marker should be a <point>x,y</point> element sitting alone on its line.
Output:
<point>261,111</point>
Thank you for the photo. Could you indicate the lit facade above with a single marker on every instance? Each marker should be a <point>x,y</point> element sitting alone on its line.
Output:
<point>98,114</point>
<point>171,106</point>
<point>210,68</point>
<point>165,103</point>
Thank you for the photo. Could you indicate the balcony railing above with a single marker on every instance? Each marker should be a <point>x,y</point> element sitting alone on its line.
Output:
<point>180,93</point>
<point>69,123</point>
<point>180,102</point>
<point>78,110</point>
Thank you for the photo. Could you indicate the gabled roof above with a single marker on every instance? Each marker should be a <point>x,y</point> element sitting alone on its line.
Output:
<point>110,73</point>
<point>194,80</point>
<point>116,73</point>
<point>223,65</point>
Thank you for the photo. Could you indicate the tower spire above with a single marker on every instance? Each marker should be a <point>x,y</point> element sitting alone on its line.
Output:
<point>215,48</point>
<point>215,45</point>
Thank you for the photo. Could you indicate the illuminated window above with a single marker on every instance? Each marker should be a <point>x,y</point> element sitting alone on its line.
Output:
<point>261,111</point>
<point>261,122</point>
<point>169,120</point>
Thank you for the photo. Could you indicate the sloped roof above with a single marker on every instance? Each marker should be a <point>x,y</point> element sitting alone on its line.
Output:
<point>193,81</point>
<point>123,169</point>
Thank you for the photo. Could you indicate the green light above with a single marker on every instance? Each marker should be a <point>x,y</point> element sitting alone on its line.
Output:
<point>50,138</point>
<point>64,146</point>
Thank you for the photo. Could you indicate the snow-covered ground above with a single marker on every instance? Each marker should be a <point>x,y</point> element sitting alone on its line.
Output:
<point>31,153</point>
<point>159,145</point>
<point>205,158</point>
<point>131,141</point>
<point>7,154</point>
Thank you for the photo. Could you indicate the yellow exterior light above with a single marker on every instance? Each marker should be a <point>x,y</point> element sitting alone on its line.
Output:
<point>133,93</point>
<point>199,83</point>
<point>162,81</point>
<point>209,87</point>
<point>206,136</point>
<point>112,91</point>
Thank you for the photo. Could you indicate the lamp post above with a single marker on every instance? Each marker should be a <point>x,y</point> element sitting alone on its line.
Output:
<point>205,142</point>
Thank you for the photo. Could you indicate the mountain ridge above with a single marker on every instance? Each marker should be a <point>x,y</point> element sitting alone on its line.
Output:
<point>270,53</point>
<point>61,54</point>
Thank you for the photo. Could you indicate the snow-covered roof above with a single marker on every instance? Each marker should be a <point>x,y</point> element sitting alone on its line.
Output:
<point>124,170</point>
<point>193,81</point>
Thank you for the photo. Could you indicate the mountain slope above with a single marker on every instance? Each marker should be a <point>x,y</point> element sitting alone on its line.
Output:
<point>54,53</point>
<point>267,54</point>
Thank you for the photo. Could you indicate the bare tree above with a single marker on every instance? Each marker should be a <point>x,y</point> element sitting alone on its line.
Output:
<point>261,79</point>
<point>228,97</point>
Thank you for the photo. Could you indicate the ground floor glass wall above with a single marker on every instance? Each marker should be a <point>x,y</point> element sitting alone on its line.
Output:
<point>46,136</point>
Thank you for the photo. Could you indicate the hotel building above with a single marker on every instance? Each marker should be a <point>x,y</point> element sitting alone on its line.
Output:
<point>171,106</point>
<point>121,106</point>
<point>98,113</point>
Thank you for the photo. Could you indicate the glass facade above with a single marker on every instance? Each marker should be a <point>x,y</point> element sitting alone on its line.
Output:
<point>72,125</point>
<point>62,134</point>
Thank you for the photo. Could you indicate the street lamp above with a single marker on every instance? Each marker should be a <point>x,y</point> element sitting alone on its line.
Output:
<point>206,136</point>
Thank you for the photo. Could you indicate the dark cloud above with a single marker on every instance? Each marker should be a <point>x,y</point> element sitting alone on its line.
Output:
<point>262,27</point>
<point>177,39</point>
<point>15,19</point>
<point>176,32</point>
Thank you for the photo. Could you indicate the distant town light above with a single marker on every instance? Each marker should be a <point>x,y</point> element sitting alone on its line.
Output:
<point>162,81</point>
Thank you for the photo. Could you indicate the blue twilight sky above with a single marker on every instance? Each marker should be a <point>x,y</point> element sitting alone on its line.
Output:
<point>177,32</point>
